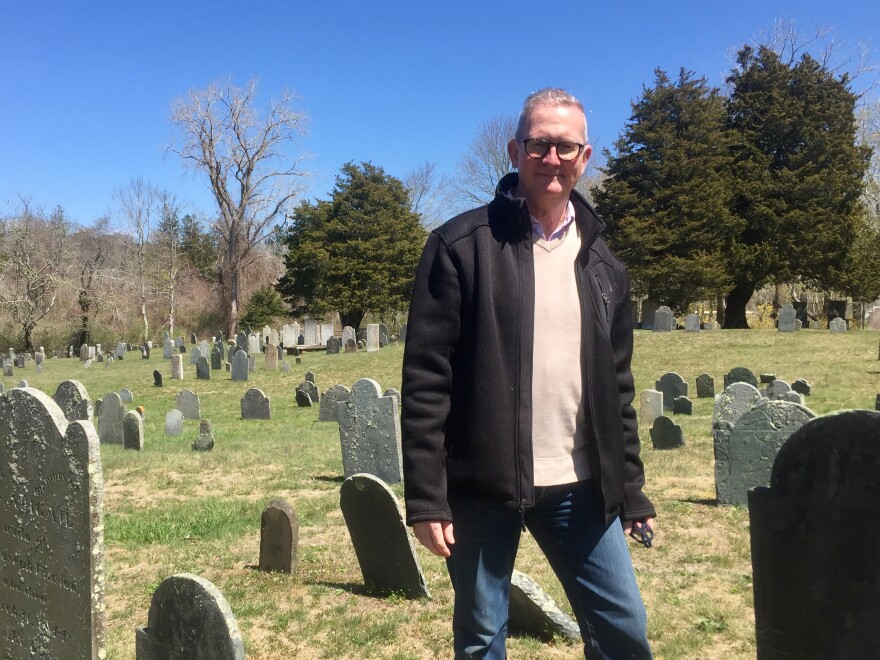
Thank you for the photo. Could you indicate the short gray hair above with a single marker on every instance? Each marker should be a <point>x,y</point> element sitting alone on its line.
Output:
<point>552,96</point>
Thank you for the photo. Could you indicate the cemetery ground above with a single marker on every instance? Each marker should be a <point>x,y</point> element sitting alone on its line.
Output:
<point>171,510</point>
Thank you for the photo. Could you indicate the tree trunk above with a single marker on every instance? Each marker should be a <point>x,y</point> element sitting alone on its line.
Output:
<point>737,299</point>
<point>233,303</point>
<point>146,321</point>
<point>28,339</point>
<point>352,318</point>
<point>719,309</point>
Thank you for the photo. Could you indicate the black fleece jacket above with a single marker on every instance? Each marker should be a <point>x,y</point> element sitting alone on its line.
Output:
<point>467,370</point>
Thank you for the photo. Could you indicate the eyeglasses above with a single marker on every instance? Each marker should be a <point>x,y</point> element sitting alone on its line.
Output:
<point>538,148</point>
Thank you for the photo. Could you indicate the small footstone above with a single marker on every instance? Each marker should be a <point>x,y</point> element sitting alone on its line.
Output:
<point>133,431</point>
<point>801,386</point>
<point>767,378</point>
<point>681,405</point>
<point>205,441</point>
<point>303,400</point>
<point>533,612</point>
<point>157,378</point>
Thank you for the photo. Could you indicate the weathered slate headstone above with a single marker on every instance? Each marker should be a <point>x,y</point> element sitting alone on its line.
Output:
<point>167,347</point>
<point>766,379</point>
<point>664,321</point>
<point>279,537</point>
<point>285,367</point>
<point>705,386</point>
<point>744,455</point>
<point>203,370</point>
<point>650,407</point>
<point>174,422</point>
<point>189,618</point>
<point>815,542</point>
<point>252,363</point>
<point>740,375</point>
<point>351,346</point>
<point>187,402</point>
<point>119,354</point>
<point>241,340</point>
<point>255,405</point>
<point>51,514</point>
<point>682,405</point>
<point>801,386</point>
<point>837,325</point>
<point>384,335</point>
<point>372,337</point>
<point>369,431</point>
<point>270,362</point>
<point>126,395</point>
<point>110,421</point>
<point>776,390</point>
<point>205,441</point>
<point>672,385</point>
<point>74,401</point>
<point>157,378</point>
<point>734,402</point>
<point>133,431</point>
<point>217,357</point>
<point>240,366</point>
<point>332,346</point>
<point>195,354</point>
<point>347,333</point>
<point>381,542</point>
<point>666,434</point>
<point>329,412</point>
<point>649,310</point>
<point>402,333</point>
<point>391,391</point>
<point>177,367</point>
<point>787,317</point>
<point>309,377</point>
<point>534,613</point>
<point>691,323</point>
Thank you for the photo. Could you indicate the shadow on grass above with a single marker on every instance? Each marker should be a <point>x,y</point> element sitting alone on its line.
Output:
<point>702,501</point>
<point>331,478</point>
<point>359,589</point>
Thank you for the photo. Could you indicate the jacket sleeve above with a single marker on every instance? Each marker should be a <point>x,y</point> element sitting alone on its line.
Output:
<point>636,504</point>
<point>432,334</point>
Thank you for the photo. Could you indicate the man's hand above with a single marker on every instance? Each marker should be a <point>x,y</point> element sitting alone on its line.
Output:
<point>435,536</point>
<point>649,522</point>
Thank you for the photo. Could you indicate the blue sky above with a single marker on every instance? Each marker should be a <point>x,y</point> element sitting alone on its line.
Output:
<point>87,86</point>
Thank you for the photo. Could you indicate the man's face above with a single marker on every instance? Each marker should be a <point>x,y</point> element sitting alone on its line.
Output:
<point>548,178</point>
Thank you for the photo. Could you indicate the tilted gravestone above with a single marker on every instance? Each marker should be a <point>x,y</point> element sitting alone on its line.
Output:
<point>329,412</point>
<point>666,434</point>
<point>705,386</point>
<point>133,431</point>
<point>384,335</point>
<point>381,541</point>
<point>157,378</point>
<point>205,441</point>
<point>203,370</point>
<point>815,542</point>
<point>187,402</point>
<point>307,393</point>
<point>255,405</point>
<point>650,407</point>
<point>73,399</point>
<point>682,405</point>
<point>664,321</point>
<point>787,317</point>
<point>369,431</point>
<point>740,375</point>
<point>240,366</point>
<point>533,612</point>
<point>745,453</point>
<point>279,537</point>
<point>310,376</point>
<point>110,420</point>
<point>52,546</point>
<point>173,422</point>
<point>672,385</point>
<point>189,618</point>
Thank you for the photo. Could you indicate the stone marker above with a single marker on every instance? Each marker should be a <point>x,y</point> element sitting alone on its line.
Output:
<point>392,391</point>
<point>189,618</point>
<point>255,405</point>
<point>776,390</point>
<point>332,346</point>
<point>126,395</point>
<point>837,325</point>
<point>664,321</point>
<point>195,354</point>
<point>329,412</point>
<point>86,365</point>
<point>279,537</point>
<point>794,397</point>
<point>167,347</point>
<point>681,405</point>
<point>203,370</point>
<point>650,407</point>
<point>744,454</point>
<point>310,376</point>
<point>240,366</point>
<point>241,340</point>
<point>270,363</point>
<point>110,420</point>
<point>285,367</point>
<point>372,337</point>
<point>691,323</point>
<point>307,388</point>
<point>766,379</point>
<point>369,432</point>
<point>672,385</point>
<point>157,378</point>
<point>815,542</point>
<point>205,441</point>
<point>381,541</point>
<point>174,422</point>
<point>252,363</point>
<point>787,317</point>
<point>187,402</point>
<point>533,612</point>
<point>217,356</point>
<point>351,346</point>
<point>119,354</point>
<point>347,333</point>
<point>649,310</point>
<point>52,522</point>
<point>734,402</point>
<point>801,386</point>
<point>177,367</point>
<point>22,383</point>
<point>740,375</point>
<point>133,431</point>
<point>74,401</point>
<point>666,434</point>
<point>705,386</point>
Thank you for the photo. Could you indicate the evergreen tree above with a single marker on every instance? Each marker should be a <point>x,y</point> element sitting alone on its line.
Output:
<point>357,252</point>
<point>264,307</point>
<point>199,247</point>
<point>666,198</point>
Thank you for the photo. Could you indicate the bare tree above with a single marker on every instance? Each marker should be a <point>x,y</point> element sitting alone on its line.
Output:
<point>167,262</point>
<point>34,247</point>
<point>869,135</point>
<point>429,194</point>
<point>138,204</point>
<point>91,250</point>
<point>485,161</point>
<point>250,173</point>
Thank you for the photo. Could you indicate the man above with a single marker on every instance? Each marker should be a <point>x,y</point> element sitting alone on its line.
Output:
<point>517,397</point>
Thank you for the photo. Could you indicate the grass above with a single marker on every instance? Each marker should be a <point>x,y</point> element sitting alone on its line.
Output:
<point>170,510</point>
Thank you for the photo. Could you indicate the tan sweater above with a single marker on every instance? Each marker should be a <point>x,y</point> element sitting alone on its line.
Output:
<point>559,449</point>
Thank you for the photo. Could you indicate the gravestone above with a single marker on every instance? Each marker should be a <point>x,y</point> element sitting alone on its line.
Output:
<point>664,321</point>
<point>7,368</point>
<point>187,402</point>
<point>534,613</point>
<point>650,406</point>
<point>329,412</point>
<point>220,347</point>
<point>189,618</point>
<point>167,347</point>
<point>332,346</point>
<point>691,323</point>
<point>177,367</point>
<point>347,333</point>
<point>270,362</point>
<point>682,405</point>
<point>402,333</point>
<point>381,541</point>
<point>307,394</point>
<point>51,514</point>
<point>274,338</point>
<point>744,454</point>
<point>384,335</point>
<point>203,370</point>
<point>369,431</point>
<point>39,357</point>
<point>309,377</point>
<point>110,420</point>
<point>73,399</point>
<point>133,431</point>
<point>192,338</point>
<point>119,354</point>
<point>787,318</point>
<point>22,383</point>
<point>217,357</point>
<point>19,361</point>
<point>255,405</point>
<point>326,332</point>
<point>126,395</point>
<point>240,366</point>
<point>157,378</point>
<point>734,402</point>
<point>241,340</point>
<point>252,363</point>
<point>173,422</point>
<point>705,386</point>
<point>205,347</point>
<point>794,397</point>
<point>672,385</point>
<point>205,441</point>
<point>776,390</point>
<point>649,310</point>
<point>815,542</point>
<point>310,332</point>
<point>195,354</point>
<point>285,367</point>
<point>837,325</point>
<point>279,537</point>
<point>351,346</point>
<point>666,434</point>
<point>391,391</point>
<point>372,337</point>
<point>801,386</point>
<point>766,379</point>
<point>740,375</point>
<point>86,365</point>
<point>83,352</point>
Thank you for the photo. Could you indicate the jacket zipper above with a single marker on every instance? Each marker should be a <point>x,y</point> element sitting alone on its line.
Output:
<point>518,393</point>
<point>605,298</point>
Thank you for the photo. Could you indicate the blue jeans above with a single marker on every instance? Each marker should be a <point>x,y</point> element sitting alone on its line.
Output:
<point>590,558</point>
